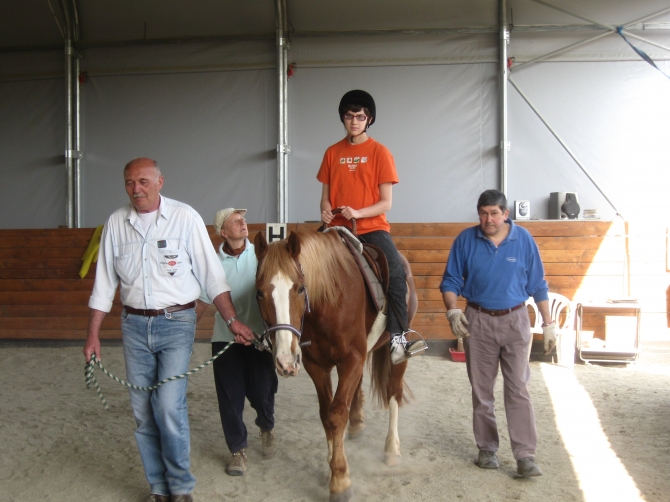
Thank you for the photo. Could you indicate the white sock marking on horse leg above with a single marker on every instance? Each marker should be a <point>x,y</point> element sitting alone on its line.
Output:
<point>392,450</point>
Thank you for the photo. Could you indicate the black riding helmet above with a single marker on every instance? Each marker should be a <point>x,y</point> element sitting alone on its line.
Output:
<point>360,98</point>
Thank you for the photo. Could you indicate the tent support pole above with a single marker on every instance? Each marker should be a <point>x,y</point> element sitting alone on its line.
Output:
<point>283,149</point>
<point>504,143</point>
<point>76,133</point>
<point>610,29</point>
<point>72,111</point>
<point>69,168</point>
<point>567,149</point>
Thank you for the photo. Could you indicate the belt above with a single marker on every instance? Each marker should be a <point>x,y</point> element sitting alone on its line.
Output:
<point>154,312</point>
<point>494,313</point>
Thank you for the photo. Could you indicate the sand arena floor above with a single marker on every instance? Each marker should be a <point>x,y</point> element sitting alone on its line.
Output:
<point>604,435</point>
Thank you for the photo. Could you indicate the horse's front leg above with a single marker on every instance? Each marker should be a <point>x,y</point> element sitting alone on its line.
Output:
<point>395,397</point>
<point>350,373</point>
<point>324,391</point>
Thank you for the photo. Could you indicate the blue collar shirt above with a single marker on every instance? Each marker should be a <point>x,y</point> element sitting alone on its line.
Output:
<point>495,278</point>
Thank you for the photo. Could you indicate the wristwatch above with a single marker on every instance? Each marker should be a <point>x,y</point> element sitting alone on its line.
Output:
<point>231,321</point>
<point>544,324</point>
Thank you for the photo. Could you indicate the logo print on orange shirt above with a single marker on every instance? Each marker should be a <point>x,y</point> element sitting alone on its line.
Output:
<point>343,160</point>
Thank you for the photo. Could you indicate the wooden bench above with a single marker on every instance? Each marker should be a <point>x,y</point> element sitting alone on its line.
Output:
<point>43,298</point>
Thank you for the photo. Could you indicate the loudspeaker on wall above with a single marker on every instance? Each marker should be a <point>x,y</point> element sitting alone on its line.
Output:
<point>563,205</point>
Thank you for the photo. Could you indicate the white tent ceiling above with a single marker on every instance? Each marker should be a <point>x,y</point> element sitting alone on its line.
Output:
<point>31,24</point>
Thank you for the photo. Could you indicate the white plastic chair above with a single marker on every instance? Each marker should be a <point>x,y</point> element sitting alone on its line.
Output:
<point>563,313</point>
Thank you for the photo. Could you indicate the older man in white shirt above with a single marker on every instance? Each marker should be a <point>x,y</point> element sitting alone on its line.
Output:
<point>159,252</point>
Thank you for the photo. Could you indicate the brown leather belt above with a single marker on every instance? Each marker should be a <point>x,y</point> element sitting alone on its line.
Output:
<point>495,313</point>
<point>154,312</point>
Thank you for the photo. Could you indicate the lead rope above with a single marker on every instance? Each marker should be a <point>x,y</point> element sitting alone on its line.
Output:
<point>89,373</point>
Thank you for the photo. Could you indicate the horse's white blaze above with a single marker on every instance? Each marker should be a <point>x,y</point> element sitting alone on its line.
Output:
<point>392,440</point>
<point>283,338</point>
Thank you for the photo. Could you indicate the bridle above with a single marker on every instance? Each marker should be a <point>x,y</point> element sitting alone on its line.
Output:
<point>263,341</point>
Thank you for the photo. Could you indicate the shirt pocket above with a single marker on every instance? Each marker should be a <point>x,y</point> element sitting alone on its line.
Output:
<point>127,267</point>
<point>171,262</point>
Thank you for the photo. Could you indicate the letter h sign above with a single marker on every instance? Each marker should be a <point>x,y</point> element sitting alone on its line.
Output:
<point>275,231</point>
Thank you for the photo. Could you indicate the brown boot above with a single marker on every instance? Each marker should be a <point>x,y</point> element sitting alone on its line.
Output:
<point>182,498</point>
<point>268,444</point>
<point>238,463</point>
<point>157,498</point>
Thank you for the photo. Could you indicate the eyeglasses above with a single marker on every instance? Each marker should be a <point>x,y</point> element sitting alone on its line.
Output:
<point>360,118</point>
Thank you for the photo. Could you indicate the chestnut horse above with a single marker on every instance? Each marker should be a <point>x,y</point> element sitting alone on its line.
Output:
<point>312,294</point>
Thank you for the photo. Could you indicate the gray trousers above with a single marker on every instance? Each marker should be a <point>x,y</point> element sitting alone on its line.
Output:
<point>501,341</point>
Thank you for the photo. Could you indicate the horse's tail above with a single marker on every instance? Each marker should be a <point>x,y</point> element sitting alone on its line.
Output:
<point>386,379</point>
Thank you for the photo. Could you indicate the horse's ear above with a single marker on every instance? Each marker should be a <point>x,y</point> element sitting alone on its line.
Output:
<point>293,245</point>
<point>260,246</point>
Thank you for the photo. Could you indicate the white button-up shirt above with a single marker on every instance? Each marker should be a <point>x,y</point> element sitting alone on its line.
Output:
<point>168,265</point>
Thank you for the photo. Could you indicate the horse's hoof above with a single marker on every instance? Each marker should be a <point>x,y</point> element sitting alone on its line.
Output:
<point>345,496</point>
<point>353,431</point>
<point>391,460</point>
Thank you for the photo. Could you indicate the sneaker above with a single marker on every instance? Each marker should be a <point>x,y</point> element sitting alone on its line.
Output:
<point>487,460</point>
<point>268,445</point>
<point>527,468</point>
<point>157,498</point>
<point>401,349</point>
<point>238,463</point>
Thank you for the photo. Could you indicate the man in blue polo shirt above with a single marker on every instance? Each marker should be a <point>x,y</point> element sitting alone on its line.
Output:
<point>496,266</point>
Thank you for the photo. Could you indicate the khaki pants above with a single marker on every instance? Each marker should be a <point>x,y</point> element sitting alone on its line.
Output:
<point>501,341</point>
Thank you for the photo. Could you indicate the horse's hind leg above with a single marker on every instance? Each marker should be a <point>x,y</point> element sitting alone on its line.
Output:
<point>357,414</point>
<point>395,396</point>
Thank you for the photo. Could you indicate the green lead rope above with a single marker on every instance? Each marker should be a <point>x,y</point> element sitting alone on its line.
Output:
<point>89,373</point>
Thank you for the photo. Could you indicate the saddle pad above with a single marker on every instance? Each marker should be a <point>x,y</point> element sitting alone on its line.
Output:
<point>371,261</point>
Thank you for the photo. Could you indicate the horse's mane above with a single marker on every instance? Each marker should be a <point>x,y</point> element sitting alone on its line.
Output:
<point>326,261</point>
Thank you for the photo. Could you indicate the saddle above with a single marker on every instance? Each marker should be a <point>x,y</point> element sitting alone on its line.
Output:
<point>371,262</point>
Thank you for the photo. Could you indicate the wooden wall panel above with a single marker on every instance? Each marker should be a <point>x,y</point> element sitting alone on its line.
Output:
<point>42,296</point>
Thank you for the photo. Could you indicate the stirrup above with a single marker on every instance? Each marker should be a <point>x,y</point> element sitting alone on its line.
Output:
<point>411,353</point>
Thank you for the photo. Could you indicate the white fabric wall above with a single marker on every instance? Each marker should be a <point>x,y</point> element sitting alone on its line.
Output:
<point>213,134</point>
<point>32,146</point>
<point>614,116</point>
<point>208,114</point>
<point>438,121</point>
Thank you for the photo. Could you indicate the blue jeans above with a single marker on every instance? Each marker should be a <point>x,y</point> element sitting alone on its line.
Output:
<point>156,348</point>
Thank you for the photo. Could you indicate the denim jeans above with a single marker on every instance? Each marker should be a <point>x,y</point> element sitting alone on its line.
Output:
<point>156,348</point>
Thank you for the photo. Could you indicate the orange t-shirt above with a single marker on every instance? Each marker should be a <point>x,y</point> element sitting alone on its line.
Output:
<point>353,174</point>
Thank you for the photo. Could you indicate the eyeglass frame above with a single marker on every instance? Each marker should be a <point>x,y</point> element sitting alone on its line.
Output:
<point>349,117</point>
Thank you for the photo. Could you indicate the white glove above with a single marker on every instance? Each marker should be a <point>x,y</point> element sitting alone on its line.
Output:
<point>549,335</point>
<point>458,322</point>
